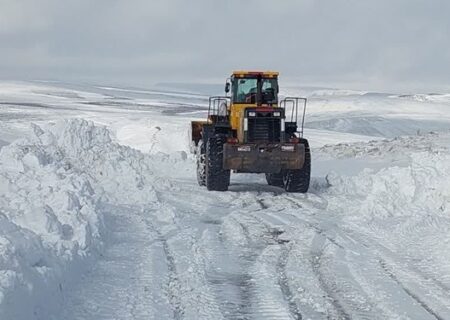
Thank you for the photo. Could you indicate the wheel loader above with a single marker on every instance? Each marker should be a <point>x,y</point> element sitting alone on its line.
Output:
<point>249,130</point>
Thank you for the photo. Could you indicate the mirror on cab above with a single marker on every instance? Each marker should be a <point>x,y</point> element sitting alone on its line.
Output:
<point>227,87</point>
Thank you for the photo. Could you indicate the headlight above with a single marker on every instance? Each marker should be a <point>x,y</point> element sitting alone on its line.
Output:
<point>277,114</point>
<point>244,148</point>
<point>252,114</point>
<point>287,148</point>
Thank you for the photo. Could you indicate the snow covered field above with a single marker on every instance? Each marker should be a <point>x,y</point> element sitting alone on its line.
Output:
<point>101,216</point>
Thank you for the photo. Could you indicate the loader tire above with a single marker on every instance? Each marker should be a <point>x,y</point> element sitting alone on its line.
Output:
<point>298,180</point>
<point>275,179</point>
<point>217,178</point>
<point>201,163</point>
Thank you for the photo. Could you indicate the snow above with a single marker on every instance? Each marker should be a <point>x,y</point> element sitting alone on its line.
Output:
<point>53,185</point>
<point>101,216</point>
<point>406,210</point>
<point>49,224</point>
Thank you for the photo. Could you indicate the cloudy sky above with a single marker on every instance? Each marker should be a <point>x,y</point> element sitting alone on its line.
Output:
<point>373,44</point>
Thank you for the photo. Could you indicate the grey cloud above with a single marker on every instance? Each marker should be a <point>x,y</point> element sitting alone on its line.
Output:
<point>383,44</point>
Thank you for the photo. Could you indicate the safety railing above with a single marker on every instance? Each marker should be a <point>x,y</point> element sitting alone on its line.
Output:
<point>291,106</point>
<point>218,108</point>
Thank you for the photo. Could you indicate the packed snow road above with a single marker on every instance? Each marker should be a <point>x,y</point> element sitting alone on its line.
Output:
<point>258,253</point>
<point>93,229</point>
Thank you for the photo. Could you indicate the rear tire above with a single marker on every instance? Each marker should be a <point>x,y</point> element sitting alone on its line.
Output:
<point>217,178</point>
<point>298,180</point>
<point>275,179</point>
<point>201,163</point>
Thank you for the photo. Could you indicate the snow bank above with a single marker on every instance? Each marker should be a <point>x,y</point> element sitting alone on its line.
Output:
<point>421,97</point>
<point>49,223</point>
<point>124,175</point>
<point>428,142</point>
<point>419,184</point>
<point>405,208</point>
<point>420,188</point>
<point>53,186</point>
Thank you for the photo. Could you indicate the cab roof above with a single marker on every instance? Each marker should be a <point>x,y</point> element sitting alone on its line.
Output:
<point>242,73</point>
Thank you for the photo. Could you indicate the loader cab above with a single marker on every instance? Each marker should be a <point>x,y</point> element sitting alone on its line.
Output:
<point>251,90</point>
<point>257,88</point>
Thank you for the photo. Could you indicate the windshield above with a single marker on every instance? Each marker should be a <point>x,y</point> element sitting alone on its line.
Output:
<point>245,90</point>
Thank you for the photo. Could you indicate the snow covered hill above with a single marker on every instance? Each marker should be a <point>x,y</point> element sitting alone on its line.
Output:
<point>101,216</point>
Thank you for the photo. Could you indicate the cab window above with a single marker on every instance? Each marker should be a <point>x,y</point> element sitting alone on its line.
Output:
<point>269,91</point>
<point>244,90</point>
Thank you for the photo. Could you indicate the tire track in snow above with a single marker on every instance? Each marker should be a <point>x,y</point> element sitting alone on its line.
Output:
<point>274,239</point>
<point>337,287</point>
<point>120,283</point>
<point>316,262</point>
<point>415,297</point>
<point>369,271</point>
<point>432,289</point>
<point>284,284</point>
<point>192,219</point>
<point>330,289</point>
<point>244,228</point>
<point>316,265</point>
<point>228,274</point>
<point>254,298</point>
<point>185,290</point>
<point>173,282</point>
<point>269,299</point>
<point>333,288</point>
<point>364,245</point>
<point>316,256</point>
<point>172,277</point>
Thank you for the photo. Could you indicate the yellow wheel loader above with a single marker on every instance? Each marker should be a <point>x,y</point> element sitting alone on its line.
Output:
<point>249,130</point>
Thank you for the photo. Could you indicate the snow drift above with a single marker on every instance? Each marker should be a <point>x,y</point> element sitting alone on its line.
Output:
<point>406,208</point>
<point>53,186</point>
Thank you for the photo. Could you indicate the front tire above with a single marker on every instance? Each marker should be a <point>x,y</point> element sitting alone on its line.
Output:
<point>217,178</point>
<point>298,180</point>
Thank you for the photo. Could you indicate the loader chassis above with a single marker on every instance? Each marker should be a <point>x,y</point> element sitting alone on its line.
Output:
<point>251,131</point>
